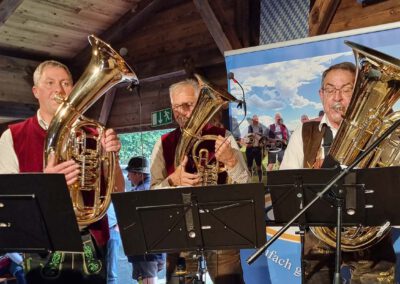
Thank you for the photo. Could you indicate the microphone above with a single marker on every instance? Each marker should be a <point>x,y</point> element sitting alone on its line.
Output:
<point>123,51</point>
<point>241,103</point>
<point>231,76</point>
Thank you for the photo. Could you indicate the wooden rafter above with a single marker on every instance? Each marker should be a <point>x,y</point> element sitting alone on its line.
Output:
<point>321,16</point>
<point>242,21</point>
<point>229,29</point>
<point>125,26</point>
<point>213,25</point>
<point>165,76</point>
<point>7,7</point>
<point>17,110</point>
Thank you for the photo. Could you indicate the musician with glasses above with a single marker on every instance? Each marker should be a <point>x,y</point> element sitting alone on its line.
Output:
<point>307,148</point>
<point>223,266</point>
<point>21,150</point>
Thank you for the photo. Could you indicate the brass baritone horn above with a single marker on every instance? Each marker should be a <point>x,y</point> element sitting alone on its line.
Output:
<point>376,90</point>
<point>210,101</point>
<point>72,136</point>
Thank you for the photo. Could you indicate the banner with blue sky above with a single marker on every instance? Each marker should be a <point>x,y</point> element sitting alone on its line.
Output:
<point>286,78</point>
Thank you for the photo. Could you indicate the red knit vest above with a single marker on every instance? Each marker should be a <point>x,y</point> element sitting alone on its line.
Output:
<point>28,138</point>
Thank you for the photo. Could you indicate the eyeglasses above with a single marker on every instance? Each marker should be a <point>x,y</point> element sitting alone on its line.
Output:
<point>184,106</point>
<point>346,90</point>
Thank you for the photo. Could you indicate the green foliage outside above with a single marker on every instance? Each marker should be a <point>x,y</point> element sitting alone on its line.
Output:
<point>138,144</point>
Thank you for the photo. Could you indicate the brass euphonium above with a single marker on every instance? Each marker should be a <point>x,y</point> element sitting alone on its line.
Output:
<point>376,90</point>
<point>211,99</point>
<point>73,136</point>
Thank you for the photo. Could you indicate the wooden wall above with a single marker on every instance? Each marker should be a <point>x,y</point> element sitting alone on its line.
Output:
<point>16,98</point>
<point>352,15</point>
<point>16,79</point>
<point>187,46</point>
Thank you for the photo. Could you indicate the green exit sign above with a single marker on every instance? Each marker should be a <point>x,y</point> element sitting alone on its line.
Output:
<point>161,117</point>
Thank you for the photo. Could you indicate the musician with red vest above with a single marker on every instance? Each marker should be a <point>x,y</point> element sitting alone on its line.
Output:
<point>223,266</point>
<point>279,134</point>
<point>307,148</point>
<point>22,147</point>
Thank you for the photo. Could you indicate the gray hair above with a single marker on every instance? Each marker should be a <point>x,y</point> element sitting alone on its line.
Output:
<point>346,66</point>
<point>187,82</point>
<point>39,70</point>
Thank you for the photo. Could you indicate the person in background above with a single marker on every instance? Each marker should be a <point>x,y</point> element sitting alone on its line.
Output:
<point>375,264</point>
<point>304,118</point>
<point>253,149</point>
<point>278,133</point>
<point>144,267</point>
<point>319,117</point>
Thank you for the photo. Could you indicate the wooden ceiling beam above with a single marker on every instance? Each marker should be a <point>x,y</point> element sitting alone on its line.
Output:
<point>130,22</point>
<point>7,8</point>
<point>165,76</point>
<point>242,21</point>
<point>227,25</point>
<point>125,26</point>
<point>213,25</point>
<point>17,110</point>
<point>16,80</point>
<point>321,16</point>
<point>175,64</point>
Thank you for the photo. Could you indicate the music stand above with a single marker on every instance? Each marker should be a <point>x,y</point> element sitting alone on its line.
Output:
<point>365,199</point>
<point>36,214</point>
<point>359,193</point>
<point>191,218</point>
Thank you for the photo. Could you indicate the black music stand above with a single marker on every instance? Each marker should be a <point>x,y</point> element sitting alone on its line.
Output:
<point>370,205</point>
<point>359,194</point>
<point>36,214</point>
<point>191,218</point>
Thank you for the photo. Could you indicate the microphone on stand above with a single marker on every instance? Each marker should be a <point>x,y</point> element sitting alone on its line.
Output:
<point>231,76</point>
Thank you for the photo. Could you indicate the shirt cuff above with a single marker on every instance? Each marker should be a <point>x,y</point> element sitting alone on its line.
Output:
<point>163,184</point>
<point>235,171</point>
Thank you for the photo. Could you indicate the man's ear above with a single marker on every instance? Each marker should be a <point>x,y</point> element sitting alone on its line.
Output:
<point>321,95</point>
<point>35,92</point>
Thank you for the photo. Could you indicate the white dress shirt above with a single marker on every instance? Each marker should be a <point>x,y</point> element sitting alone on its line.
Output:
<point>9,162</point>
<point>294,155</point>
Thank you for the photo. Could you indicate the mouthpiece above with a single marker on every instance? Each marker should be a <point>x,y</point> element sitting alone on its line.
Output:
<point>339,107</point>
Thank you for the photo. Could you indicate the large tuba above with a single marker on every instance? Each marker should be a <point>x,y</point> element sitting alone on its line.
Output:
<point>210,101</point>
<point>369,114</point>
<point>72,136</point>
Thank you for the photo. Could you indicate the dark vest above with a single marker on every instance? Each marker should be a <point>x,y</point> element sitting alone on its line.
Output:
<point>170,140</point>
<point>312,138</point>
<point>250,130</point>
<point>284,130</point>
<point>28,139</point>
